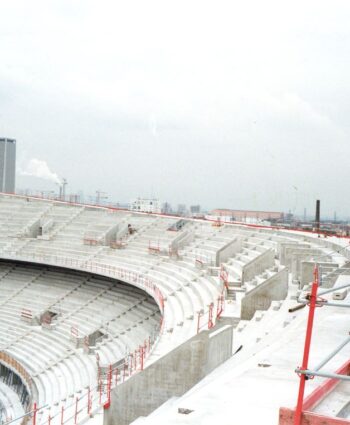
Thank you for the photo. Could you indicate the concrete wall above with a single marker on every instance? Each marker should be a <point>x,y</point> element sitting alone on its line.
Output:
<point>182,240</point>
<point>292,254</point>
<point>297,256</point>
<point>307,270</point>
<point>284,246</point>
<point>274,288</point>
<point>329,244</point>
<point>172,375</point>
<point>258,265</point>
<point>219,348</point>
<point>332,277</point>
<point>122,231</point>
<point>32,230</point>
<point>227,251</point>
<point>111,234</point>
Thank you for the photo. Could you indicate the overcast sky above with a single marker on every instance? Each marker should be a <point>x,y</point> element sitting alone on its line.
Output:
<point>238,104</point>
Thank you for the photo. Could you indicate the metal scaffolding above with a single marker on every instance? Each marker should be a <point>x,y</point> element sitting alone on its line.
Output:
<point>314,299</point>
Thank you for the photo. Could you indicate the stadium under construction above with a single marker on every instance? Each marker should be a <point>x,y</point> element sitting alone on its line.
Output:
<point>116,317</point>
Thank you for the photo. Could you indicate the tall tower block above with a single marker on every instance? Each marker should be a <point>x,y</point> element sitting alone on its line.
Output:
<point>7,165</point>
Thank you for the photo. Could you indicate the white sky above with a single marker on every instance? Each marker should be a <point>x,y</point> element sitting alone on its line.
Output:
<point>241,104</point>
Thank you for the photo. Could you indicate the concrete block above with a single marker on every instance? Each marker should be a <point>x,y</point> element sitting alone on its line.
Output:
<point>170,376</point>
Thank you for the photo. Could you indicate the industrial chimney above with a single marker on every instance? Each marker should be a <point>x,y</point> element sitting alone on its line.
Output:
<point>317,217</point>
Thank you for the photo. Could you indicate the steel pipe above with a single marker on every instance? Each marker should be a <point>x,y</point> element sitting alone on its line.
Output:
<point>309,372</point>
<point>327,291</point>
<point>332,354</point>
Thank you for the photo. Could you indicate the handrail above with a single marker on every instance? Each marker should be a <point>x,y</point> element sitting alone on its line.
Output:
<point>108,270</point>
<point>313,300</point>
<point>97,395</point>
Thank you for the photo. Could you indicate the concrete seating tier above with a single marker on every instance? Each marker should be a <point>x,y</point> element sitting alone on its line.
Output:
<point>125,315</point>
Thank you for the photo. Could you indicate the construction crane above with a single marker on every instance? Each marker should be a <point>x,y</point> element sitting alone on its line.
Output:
<point>100,196</point>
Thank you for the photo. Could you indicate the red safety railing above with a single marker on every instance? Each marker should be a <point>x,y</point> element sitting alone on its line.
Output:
<point>220,306</point>
<point>115,207</point>
<point>95,397</point>
<point>308,336</point>
<point>26,314</point>
<point>301,414</point>
<point>224,277</point>
<point>153,248</point>
<point>207,319</point>
<point>119,273</point>
<point>204,319</point>
<point>100,395</point>
<point>287,415</point>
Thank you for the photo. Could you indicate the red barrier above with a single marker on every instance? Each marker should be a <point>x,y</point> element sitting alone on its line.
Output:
<point>224,276</point>
<point>210,314</point>
<point>325,388</point>
<point>105,269</point>
<point>96,396</point>
<point>109,388</point>
<point>287,416</point>
<point>34,414</point>
<point>141,357</point>
<point>113,208</point>
<point>220,306</point>
<point>207,322</point>
<point>124,371</point>
<point>301,414</point>
<point>74,332</point>
<point>26,314</point>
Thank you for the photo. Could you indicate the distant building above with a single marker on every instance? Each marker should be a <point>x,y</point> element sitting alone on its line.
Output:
<point>247,215</point>
<point>166,208</point>
<point>195,209</point>
<point>7,165</point>
<point>181,209</point>
<point>146,205</point>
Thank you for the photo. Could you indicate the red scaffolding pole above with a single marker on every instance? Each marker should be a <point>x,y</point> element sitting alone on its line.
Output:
<point>34,414</point>
<point>304,366</point>
<point>210,316</point>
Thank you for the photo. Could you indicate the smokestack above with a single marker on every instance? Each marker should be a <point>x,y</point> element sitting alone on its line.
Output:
<point>63,185</point>
<point>317,218</point>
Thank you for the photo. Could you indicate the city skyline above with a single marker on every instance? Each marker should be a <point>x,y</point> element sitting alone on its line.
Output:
<point>244,107</point>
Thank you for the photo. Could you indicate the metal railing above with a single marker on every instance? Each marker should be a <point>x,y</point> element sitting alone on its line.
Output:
<point>97,396</point>
<point>314,299</point>
<point>119,273</point>
<point>94,397</point>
